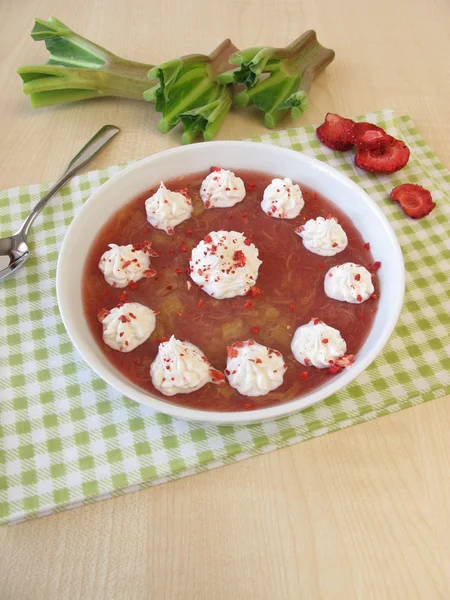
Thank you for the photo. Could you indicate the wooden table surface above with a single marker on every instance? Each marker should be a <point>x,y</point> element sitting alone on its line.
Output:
<point>363,513</point>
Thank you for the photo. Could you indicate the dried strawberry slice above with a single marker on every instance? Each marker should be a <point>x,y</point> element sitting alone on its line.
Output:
<point>369,136</point>
<point>383,160</point>
<point>334,132</point>
<point>415,200</point>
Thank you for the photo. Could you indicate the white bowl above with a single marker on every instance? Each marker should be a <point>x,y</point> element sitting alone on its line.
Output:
<point>365,214</point>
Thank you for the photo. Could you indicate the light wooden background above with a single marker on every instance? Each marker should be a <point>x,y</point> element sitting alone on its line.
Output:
<point>364,513</point>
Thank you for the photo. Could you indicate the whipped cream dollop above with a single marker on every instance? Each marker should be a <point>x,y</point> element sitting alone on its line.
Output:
<point>166,209</point>
<point>323,236</point>
<point>317,344</point>
<point>127,326</point>
<point>225,264</point>
<point>254,369</point>
<point>222,189</point>
<point>182,368</point>
<point>122,264</point>
<point>282,199</point>
<point>349,283</point>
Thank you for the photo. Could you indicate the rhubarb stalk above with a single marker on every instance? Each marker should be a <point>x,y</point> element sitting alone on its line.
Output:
<point>78,69</point>
<point>188,92</point>
<point>289,71</point>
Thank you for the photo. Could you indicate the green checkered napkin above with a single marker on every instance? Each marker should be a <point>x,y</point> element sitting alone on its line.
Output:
<point>66,438</point>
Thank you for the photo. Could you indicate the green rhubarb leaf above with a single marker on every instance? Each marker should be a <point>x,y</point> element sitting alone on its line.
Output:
<point>251,64</point>
<point>297,103</point>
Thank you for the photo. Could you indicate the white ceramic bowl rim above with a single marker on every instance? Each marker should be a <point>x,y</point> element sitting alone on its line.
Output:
<point>87,348</point>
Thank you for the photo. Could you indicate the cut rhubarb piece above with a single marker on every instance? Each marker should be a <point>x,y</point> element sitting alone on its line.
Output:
<point>384,160</point>
<point>334,132</point>
<point>369,136</point>
<point>415,200</point>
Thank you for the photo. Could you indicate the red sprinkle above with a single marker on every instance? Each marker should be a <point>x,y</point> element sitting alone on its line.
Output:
<point>217,376</point>
<point>232,352</point>
<point>357,277</point>
<point>132,285</point>
<point>321,266</point>
<point>189,231</point>
<point>102,314</point>
<point>178,271</point>
<point>248,304</point>
<point>183,247</point>
<point>255,329</point>
<point>359,298</point>
<point>375,266</point>
<point>367,246</point>
<point>258,361</point>
<point>303,374</point>
<point>200,303</point>
<point>325,341</point>
<point>247,241</point>
<point>292,307</point>
<point>211,169</point>
<point>316,321</point>
<point>333,369</point>
<point>207,239</point>
<point>240,258</point>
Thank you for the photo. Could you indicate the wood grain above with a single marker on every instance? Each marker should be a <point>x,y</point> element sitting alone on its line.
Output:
<point>363,513</point>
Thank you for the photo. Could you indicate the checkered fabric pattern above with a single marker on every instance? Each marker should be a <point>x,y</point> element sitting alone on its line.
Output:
<point>67,439</point>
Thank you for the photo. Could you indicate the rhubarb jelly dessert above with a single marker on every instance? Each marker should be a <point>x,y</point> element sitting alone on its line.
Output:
<point>230,291</point>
